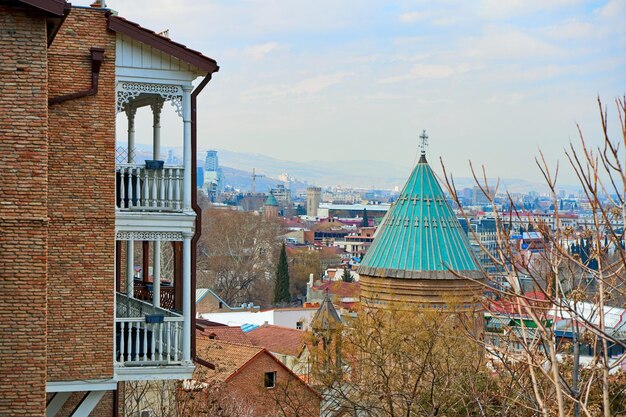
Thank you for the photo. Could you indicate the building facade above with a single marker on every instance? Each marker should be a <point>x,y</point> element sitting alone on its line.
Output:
<point>73,209</point>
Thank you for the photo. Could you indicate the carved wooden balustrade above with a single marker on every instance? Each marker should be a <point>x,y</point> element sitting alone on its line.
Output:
<point>145,293</point>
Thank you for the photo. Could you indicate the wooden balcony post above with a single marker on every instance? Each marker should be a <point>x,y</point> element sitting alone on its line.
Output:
<point>178,276</point>
<point>156,273</point>
<point>145,264</point>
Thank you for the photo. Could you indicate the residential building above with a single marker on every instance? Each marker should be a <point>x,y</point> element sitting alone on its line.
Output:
<point>292,317</point>
<point>254,379</point>
<point>282,195</point>
<point>288,345</point>
<point>71,326</point>
<point>209,302</point>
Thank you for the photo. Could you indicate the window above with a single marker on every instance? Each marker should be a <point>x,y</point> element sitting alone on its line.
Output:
<point>270,379</point>
<point>299,325</point>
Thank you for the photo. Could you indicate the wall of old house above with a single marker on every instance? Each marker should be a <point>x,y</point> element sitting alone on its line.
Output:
<point>23,210</point>
<point>81,203</point>
<point>295,397</point>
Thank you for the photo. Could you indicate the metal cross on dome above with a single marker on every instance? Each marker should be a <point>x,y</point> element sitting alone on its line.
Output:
<point>423,142</point>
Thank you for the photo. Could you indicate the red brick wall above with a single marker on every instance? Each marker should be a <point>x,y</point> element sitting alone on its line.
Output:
<point>293,397</point>
<point>81,203</point>
<point>23,211</point>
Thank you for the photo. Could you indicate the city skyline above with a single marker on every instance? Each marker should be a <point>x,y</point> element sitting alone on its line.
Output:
<point>492,82</point>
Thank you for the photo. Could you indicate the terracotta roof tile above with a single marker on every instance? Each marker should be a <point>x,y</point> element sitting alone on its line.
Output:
<point>225,356</point>
<point>278,339</point>
<point>226,333</point>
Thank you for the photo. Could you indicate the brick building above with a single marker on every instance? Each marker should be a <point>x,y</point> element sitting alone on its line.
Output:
<point>255,379</point>
<point>72,325</point>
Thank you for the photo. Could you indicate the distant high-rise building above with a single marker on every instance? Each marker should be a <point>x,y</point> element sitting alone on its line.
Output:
<point>282,195</point>
<point>211,162</point>
<point>212,175</point>
<point>313,197</point>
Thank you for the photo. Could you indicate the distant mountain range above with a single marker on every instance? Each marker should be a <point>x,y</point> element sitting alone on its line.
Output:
<point>237,168</point>
<point>350,173</point>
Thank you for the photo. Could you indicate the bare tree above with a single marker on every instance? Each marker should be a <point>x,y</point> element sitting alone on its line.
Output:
<point>575,277</point>
<point>236,255</point>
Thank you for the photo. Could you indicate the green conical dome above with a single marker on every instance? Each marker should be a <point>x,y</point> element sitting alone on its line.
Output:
<point>420,237</point>
<point>271,201</point>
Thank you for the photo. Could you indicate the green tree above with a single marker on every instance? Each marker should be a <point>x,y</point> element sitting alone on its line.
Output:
<point>281,288</point>
<point>347,276</point>
<point>366,221</point>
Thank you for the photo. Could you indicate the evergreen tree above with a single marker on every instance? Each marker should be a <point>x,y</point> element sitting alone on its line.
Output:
<point>365,222</point>
<point>347,276</point>
<point>281,288</point>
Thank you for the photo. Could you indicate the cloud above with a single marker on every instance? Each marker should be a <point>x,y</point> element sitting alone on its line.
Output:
<point>612,9</point>
<point>499,9</point>
<point>303,88</point>
<point>412,17</point>
<point>499,43</point>
<point>427,71</point>
<point>258,52</point>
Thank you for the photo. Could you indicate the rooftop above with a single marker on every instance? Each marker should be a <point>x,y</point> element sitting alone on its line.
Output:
<point>278,339</point>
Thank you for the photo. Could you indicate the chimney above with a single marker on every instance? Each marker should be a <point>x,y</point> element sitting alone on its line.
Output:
<point>99,4</point>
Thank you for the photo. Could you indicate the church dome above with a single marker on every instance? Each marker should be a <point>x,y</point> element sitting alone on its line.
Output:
<point>420,253</point>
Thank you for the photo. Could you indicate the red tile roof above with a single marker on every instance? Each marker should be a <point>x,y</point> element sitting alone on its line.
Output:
<point>340,288</point>
<point>225,333</point>
<point>278,339</point>
<point>227,357</point>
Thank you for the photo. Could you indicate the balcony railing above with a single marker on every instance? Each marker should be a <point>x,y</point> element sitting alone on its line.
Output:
<point>138,188</point>
<point>146,335</point>
<point>145,293</point>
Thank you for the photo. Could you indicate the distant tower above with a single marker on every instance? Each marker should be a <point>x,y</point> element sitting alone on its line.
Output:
<point>421,256</point>
<point>210,162</point>
<point>270,207</point>
<point>212,175</point>
<point>313,197</point>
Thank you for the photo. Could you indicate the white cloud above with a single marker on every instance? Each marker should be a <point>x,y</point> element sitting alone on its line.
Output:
<point>303,88</point>
<point>258,52</point>
<point>412,17</point>
<point>505,9</point>
<point>612,9</point>
<point>428,71</point>
<point>509,43</point>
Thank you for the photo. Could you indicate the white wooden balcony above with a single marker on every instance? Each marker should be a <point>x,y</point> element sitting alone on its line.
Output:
<point>149,190</point>
<point>148,342</point>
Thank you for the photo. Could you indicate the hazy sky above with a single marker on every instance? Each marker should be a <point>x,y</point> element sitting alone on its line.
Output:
<point>491,81</point>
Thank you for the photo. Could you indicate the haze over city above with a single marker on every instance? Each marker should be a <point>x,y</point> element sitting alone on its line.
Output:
<point>491,81</point>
